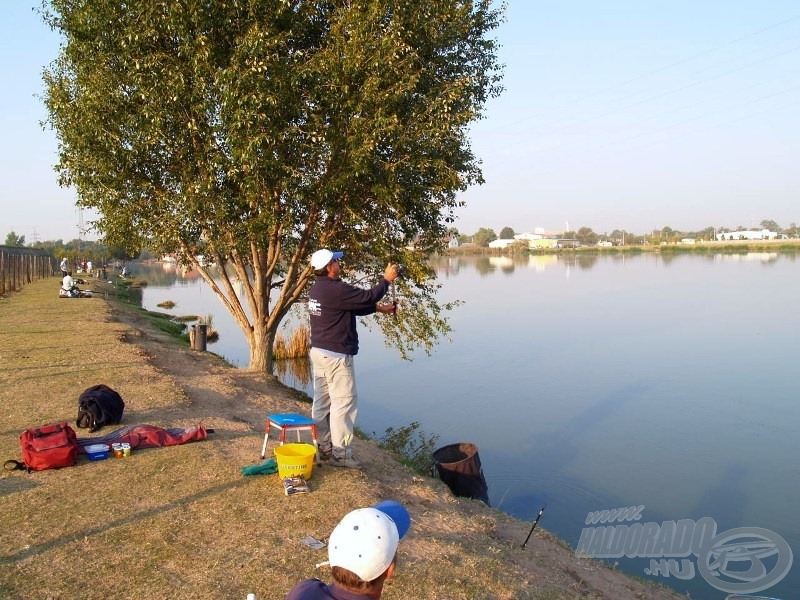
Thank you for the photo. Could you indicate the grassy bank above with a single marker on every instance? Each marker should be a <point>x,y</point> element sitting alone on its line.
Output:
<point>182,522</point>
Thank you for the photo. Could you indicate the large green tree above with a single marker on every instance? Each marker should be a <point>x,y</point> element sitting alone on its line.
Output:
<point>483,236</point>
<point>12,239</point>
<point>771,225</point>
<point>506,233</point>
<point>254,132</point>
<point>585,235</point>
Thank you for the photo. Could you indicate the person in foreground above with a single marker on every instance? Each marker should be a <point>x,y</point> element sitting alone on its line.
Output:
<point>362,553</point>
<point>333,306</point>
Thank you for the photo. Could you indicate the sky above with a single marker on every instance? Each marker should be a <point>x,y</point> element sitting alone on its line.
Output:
<point>621,114</point>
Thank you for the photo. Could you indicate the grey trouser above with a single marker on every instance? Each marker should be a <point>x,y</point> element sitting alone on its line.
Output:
<point>335,402</point>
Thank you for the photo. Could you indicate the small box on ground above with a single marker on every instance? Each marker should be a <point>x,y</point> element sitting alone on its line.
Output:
<point>295,484</point>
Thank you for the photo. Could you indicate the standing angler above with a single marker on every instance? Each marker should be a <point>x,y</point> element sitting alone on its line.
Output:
<point>334,306</point>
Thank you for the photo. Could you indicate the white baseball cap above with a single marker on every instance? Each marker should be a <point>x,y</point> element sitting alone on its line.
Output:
<point>365,540</point>
<point>321,258</point>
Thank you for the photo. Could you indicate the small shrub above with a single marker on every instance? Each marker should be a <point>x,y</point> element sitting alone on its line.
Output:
<point>412,446</point>
<point>185,318</point>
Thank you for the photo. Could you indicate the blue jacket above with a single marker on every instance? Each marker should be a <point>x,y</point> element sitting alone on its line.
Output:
<point>334,306</point>
<point>314,589</point>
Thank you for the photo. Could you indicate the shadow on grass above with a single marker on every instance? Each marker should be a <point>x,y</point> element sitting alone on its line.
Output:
<point>34,550</point>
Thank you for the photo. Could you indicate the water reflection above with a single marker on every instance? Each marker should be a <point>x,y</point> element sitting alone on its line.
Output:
<point>582,261</point>
<point>488,265</point>
<point>504,263</point>
<point>540,262</point>
<point>585,261</point>
<point>763,257</point>
<point>295,372</point>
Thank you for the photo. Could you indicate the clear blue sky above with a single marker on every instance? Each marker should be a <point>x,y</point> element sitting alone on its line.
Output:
<point>623,114</point>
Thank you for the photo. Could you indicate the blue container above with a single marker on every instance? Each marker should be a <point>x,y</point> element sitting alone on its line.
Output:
<point>97,451</point>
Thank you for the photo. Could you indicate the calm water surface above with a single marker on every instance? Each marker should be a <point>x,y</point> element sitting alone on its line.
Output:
<point>592,383</point>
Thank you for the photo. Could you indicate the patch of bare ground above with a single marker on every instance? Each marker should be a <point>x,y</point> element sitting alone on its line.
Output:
<point>182,522</point>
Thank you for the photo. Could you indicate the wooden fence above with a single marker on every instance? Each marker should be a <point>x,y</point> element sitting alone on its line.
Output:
<point>19,266</point>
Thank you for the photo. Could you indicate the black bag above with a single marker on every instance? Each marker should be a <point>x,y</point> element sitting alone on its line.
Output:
<point>97,406</point>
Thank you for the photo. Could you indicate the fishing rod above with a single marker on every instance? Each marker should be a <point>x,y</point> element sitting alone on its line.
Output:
<point>394,301</point>
<point>539,516</point>
<point>400,273</point>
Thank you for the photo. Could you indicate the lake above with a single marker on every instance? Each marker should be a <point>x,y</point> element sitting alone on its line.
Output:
<point>666,385</point>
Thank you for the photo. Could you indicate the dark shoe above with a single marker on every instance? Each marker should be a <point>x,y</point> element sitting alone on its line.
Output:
<point>324,456</point>
<point>344,463</point>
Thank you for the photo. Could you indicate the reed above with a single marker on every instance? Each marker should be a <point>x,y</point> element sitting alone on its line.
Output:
<point>212,335</point>
<point>709,248</point>
<point>295,345</point>
<point>185,318</point>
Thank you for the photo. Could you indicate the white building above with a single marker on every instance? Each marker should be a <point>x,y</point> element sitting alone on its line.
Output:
<point>528,236</point>
<point>749,234</point>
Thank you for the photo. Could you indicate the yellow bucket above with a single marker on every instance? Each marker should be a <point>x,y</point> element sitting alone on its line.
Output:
<point>295,459</point>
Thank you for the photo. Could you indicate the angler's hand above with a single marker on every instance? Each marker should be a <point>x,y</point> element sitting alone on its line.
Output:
<point>391,272</point>
<point>387,309</point>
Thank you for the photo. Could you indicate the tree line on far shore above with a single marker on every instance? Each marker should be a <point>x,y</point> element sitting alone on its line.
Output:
<point>79,249</point>
<point>76,250</point>
<point>620,237</point>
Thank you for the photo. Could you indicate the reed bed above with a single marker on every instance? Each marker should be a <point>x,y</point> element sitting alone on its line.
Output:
<point>295,345</point>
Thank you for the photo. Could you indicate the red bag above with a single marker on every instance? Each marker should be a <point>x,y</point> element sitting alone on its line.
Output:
<point>49,447</point>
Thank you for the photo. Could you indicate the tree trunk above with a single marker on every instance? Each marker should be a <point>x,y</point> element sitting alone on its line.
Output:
<point>261,351</point>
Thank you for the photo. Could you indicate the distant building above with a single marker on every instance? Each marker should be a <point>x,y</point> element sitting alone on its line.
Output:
<point>528,236</point>
<point>538,239</point>
<point>749,234</point>
<point>543,243</point>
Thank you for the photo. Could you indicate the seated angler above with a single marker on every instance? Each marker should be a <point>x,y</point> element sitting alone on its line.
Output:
<point>68,287</point>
